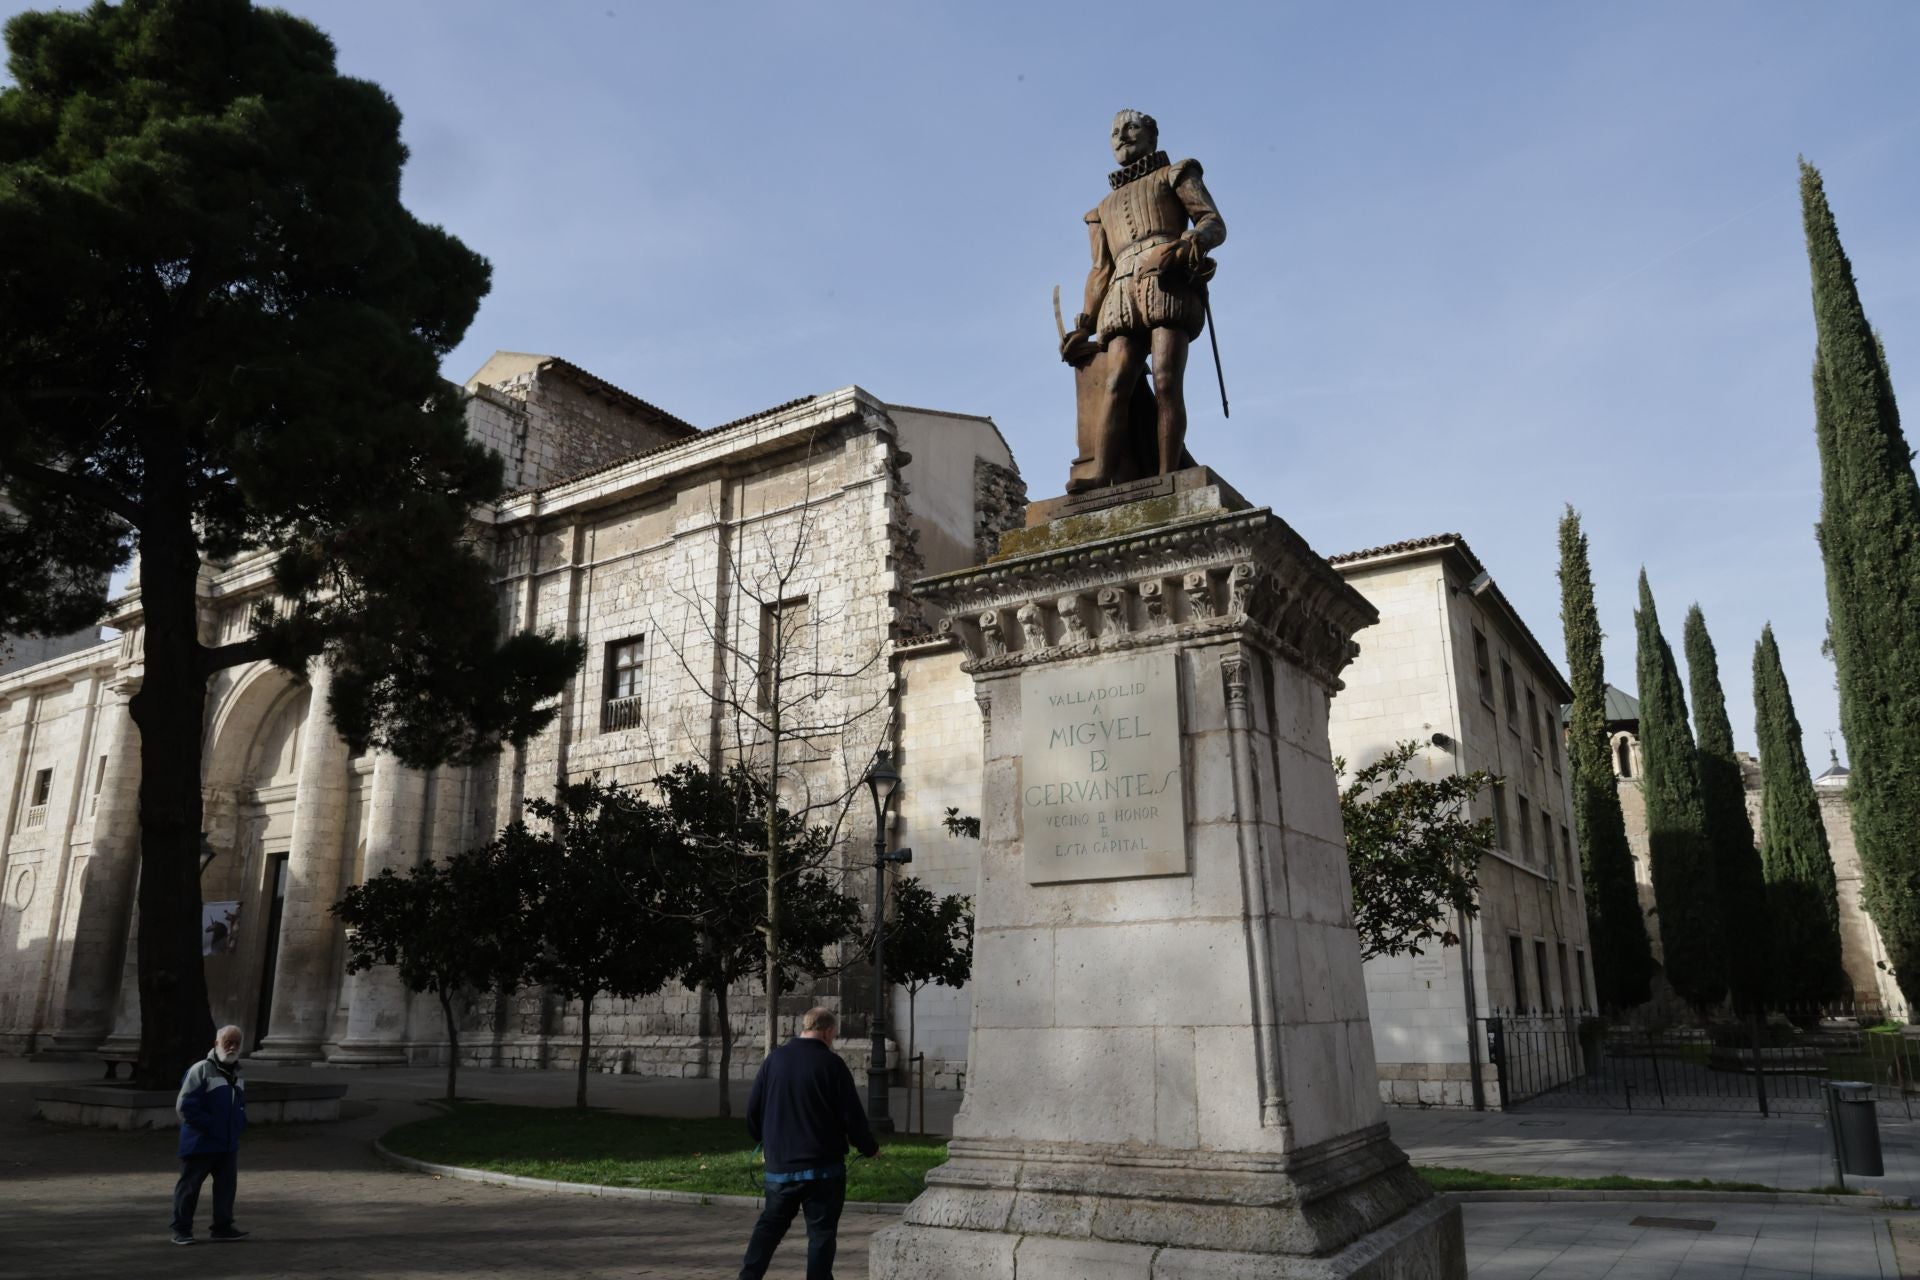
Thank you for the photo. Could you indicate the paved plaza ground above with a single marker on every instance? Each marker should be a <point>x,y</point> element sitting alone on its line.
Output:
<point>90,1203</point>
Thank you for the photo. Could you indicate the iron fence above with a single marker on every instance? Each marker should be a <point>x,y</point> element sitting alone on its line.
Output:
<point>1774,1064</point>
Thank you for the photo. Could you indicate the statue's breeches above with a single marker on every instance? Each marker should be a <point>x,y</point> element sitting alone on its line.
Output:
<point>1135,302</point>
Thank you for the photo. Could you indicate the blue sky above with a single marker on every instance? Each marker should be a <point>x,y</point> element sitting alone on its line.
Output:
<point>1483,260</point>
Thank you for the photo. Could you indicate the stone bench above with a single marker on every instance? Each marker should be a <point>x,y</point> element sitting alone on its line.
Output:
<point>121,1106</point>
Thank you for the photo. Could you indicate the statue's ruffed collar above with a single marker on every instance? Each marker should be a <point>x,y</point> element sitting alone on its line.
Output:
<point>1138,169</point>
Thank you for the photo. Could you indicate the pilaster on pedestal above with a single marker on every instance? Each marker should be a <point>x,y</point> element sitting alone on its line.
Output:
<point>376,998</point>
<point>1172,1069</point>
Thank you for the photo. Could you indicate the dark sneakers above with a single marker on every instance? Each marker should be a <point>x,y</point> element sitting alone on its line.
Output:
<point>183,1237</point>
<point>227,1233</point>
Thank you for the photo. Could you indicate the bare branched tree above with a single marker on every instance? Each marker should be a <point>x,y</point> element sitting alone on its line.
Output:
<point>796,690</point>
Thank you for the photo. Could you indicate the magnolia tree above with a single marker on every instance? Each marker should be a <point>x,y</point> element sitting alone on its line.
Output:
<point>446,929</point>
<point>1413,849</point>
<point>929,943</point>
<point>721,826</point>
<point>604,900</point>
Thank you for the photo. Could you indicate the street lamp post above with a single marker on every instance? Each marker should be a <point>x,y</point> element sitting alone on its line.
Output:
<point>882,781</point>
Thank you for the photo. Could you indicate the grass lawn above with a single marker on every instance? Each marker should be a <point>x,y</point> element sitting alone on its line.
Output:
<point>709,1156</point>
<point>715,1157</point>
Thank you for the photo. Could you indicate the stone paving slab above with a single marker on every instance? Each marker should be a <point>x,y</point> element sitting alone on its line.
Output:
<point>1790,1152</point>
<point>80,1202</point>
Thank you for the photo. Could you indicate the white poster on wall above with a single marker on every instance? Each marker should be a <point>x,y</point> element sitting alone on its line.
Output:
<point>219,926</point>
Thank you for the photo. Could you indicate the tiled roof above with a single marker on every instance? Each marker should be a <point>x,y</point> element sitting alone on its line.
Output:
<point>578,374</point>
<point>1395,548</point>
<point>698,434</point>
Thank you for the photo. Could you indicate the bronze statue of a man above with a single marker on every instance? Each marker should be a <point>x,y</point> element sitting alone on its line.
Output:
<point>1146,299</point>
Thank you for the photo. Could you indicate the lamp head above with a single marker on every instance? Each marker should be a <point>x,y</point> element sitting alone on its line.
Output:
<point>882,780</point>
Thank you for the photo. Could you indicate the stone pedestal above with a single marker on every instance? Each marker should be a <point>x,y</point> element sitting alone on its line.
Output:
<point>1172,1072</point>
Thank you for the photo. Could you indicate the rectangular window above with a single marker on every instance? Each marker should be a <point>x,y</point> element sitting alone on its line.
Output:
<point>1566,979</point>
<point>620,700</point>
<point>1554,731</point>
<point>1517,955</point>
<point>99,781</point>
<point>1499,794</point>
<point>1546,841</point>
<point>1540,973</point>
<point>38,794</point>
<point>1580,972</point>
<point>1566,856</point>
<point>1526,829</point>
<point>1483,664</point>
<point>1513,699</point>
<point>786,646</point>
<point>1533,719</point>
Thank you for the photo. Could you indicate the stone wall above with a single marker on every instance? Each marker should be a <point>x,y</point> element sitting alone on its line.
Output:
<point>1418,675</point>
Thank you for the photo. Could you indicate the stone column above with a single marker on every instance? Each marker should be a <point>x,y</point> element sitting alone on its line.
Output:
<point>304,978</point>
<point>377,999</point>
<point>103,920</point>
<point>1171,1066</point>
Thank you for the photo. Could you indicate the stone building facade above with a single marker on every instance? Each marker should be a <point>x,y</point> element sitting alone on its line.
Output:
<point>668,549</point>
<point>1451,665</point>
<point>1862,953</point>
<point>665,548</point>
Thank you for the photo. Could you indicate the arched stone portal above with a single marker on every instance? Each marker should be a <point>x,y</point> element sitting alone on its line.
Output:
<point>251,767</point>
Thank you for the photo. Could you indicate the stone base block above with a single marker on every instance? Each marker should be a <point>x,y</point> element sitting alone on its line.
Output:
<point>1425,1243</point>
<point>1348,1207</point>
<point>108,1106</point>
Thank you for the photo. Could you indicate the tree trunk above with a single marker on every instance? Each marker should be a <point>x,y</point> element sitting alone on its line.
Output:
<point>453,1044</point>
<point>772,979</point>
<point>726,1050</point>
<point>913,994</point>
<point>176,1025</point>
<point>586,1043</point>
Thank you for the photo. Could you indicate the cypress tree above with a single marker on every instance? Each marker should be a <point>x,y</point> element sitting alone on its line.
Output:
<point>1616,927</point>
<point>1869,535</point>
<point>1683,873</point>
<point>1723,793</point>
<point>1803,901</point>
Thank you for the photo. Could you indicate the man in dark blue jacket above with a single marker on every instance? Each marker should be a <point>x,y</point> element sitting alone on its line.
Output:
<point>213,1110</point>
<point>805,1112</point>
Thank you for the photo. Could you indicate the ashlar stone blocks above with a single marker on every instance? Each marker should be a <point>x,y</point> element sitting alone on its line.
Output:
<point>1172,1068</point>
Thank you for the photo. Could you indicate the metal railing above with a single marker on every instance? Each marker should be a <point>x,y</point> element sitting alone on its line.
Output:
<point>620,713</point>
<point>1768,1065</point>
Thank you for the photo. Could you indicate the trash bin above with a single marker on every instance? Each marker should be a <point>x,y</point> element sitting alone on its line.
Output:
<point>1855,1128</point>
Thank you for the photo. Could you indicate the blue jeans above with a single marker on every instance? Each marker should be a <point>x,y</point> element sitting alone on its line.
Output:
<point>820,1200</point>
<point>225,1168</point>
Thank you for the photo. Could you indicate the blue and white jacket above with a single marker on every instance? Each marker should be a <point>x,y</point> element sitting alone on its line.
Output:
<point>212,1107</point>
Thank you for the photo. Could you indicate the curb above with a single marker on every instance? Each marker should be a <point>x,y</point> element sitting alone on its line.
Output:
<point>461,1174</point>
<point>1869,1201</point>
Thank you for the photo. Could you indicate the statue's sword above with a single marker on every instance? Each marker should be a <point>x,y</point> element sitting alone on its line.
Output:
<point>1212,337</point>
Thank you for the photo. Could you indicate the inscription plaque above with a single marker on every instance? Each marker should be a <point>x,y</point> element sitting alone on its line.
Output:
<point>1102,797</point>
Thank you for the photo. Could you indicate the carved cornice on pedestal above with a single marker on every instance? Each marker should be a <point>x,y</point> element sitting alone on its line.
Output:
<point>1184,580</point>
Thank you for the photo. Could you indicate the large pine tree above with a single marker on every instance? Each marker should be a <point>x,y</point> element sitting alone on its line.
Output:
<point>1684,886</point>
<point>1803,900</point>
<point>1870,537</point>
<point>1723,792</point>
<point>1622,952</point>
<point>220,334</point>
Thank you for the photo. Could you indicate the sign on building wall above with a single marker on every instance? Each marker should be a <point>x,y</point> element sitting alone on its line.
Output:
<point>1102,796</point>
<point>219,927</point>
